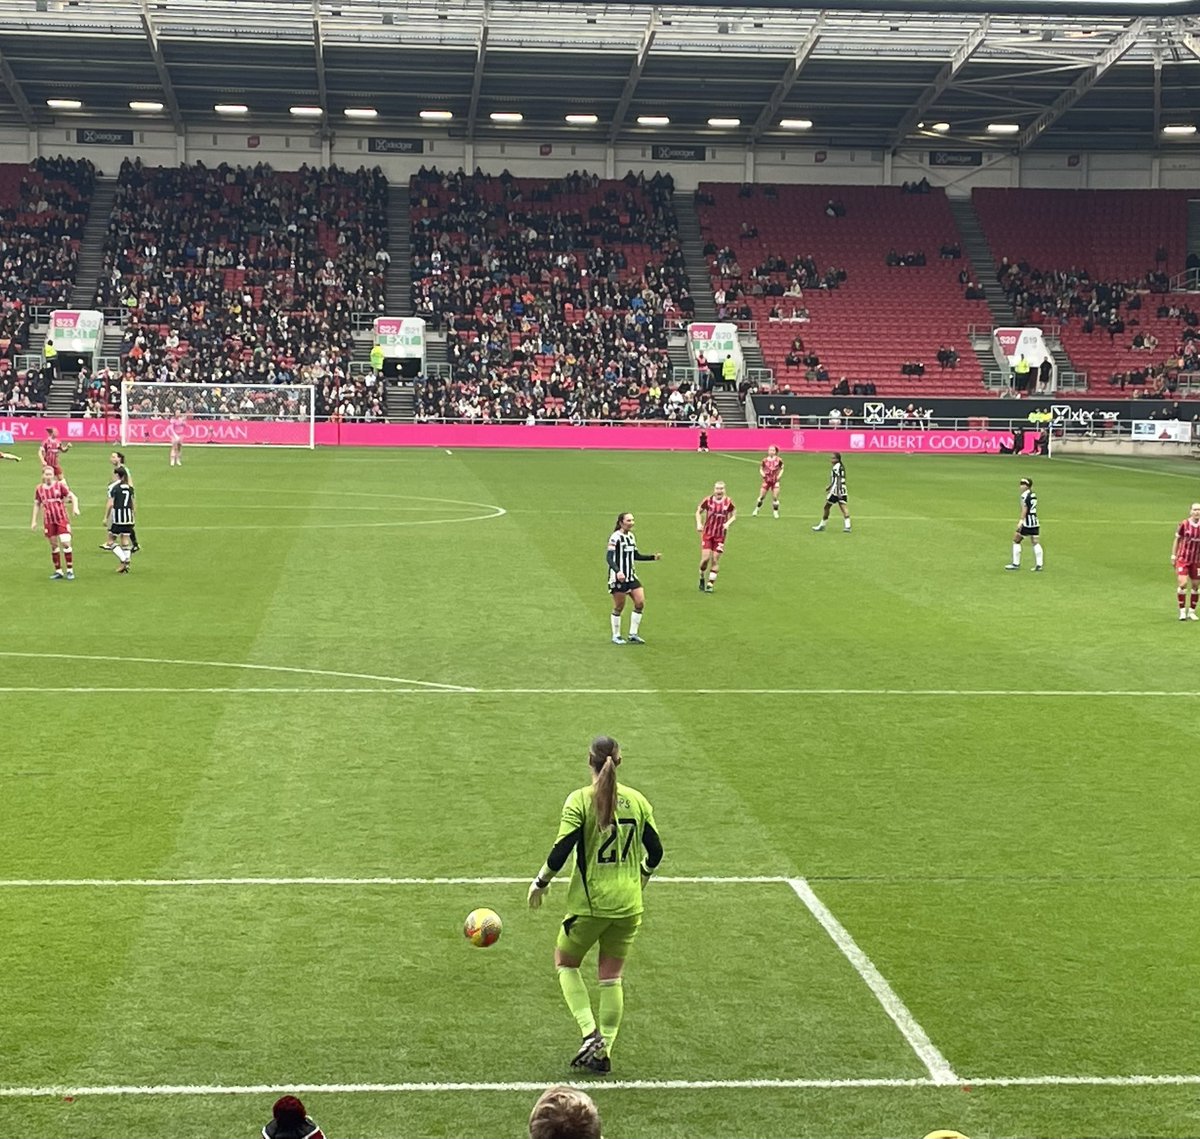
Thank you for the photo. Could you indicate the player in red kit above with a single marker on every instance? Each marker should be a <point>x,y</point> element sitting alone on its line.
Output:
<point>51,498</point>
<point>1185,556</point>
<point>50,450</point>
<point>718,514</point>
<point>771,469</point>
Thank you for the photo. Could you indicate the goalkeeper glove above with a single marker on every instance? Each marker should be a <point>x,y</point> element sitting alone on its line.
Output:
<point>537,893</point>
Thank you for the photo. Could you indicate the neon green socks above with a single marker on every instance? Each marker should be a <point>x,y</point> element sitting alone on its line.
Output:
<point>612,1006</point>
<point>576,995</point>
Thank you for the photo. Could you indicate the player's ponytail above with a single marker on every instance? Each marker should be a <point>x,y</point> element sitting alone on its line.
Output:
<point>603,758</point>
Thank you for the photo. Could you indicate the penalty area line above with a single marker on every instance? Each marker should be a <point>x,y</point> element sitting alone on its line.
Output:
<point>500,880</point>
<point>536,1086</point>
<point>927,1052</point>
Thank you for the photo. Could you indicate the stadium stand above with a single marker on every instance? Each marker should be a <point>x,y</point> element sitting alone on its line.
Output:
<point>247,275</point>
<point>868,276</point>
<point>1099,264</point>
<point>555,296</point>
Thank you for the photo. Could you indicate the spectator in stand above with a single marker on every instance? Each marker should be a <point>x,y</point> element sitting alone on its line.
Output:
<point>248,276</point>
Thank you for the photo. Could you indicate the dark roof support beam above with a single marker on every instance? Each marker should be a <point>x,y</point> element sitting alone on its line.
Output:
<point>635,74</point>
<point>477,77</point>
<point>16,92</point>
<point>319,59</point>
<point>1081,86</point>
<point>937,88</point>
<point>784,87</point>
<point>160,66</point>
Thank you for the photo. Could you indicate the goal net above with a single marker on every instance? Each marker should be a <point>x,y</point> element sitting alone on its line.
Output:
<point>229,415</point>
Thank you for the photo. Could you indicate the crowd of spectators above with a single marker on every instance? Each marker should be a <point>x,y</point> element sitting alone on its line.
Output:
<point>22,393</point>
<point>248,276</point>
<point>43,213</point>
<point>555,295</point>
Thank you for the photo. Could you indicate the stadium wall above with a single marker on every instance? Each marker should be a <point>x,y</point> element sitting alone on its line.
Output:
<point>651,437</point>
<point>812,163</point>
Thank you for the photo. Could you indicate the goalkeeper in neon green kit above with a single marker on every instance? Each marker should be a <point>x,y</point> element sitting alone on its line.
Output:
<point>609,828</point>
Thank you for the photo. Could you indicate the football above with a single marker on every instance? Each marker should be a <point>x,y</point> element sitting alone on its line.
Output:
<point>482,927</point>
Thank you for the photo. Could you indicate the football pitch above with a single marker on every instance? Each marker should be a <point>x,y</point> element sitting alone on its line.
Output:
<point>930,827</point>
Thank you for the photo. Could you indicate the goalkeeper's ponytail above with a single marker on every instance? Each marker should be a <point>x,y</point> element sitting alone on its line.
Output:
<point>603,758</point>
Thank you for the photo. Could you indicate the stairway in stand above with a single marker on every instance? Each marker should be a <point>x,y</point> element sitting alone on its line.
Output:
<point>399,274</point>
<point>60,397</point>
<point>729,404</point>
<point>91,247</point>
<point>691,241</point>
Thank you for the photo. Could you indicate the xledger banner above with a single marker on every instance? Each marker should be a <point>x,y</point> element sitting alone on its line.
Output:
<point>77,330</point>
<point>451,435</point>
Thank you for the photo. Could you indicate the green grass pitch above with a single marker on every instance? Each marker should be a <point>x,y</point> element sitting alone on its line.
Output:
<point>988,778</point>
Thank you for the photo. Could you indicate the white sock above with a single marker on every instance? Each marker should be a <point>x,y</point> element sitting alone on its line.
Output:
<point>635,623</point>
<point>616,624</point>
<point>712,575</point>
<point>1037,554</point>
<point>123,554</point>
<point>1016,554</point>
<point>846,524</point>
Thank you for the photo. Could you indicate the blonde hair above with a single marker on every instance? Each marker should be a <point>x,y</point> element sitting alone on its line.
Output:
<point>603,757</point>
<point>564,1113</point>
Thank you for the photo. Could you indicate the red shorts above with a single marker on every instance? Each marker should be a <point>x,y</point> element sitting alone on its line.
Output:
<point>1184,569</point>
<point>716,545</point>
<point>57,529</point>
<point>56,469</point>
<point>770,485</point>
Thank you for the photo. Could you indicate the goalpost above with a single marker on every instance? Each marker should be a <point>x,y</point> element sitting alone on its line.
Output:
<point>227,415</point>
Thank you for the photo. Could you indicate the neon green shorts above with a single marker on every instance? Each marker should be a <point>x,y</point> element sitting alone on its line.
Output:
<point>578,934</point>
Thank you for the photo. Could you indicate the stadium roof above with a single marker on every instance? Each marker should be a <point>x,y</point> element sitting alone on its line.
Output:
<point>1070,76</point>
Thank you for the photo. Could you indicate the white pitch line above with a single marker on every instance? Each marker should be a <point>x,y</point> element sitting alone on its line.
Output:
<point>501,880</point>
<point>430,689</point>
<point>243,666</point>
<point>533,1086</point>
<point>937,1065</point>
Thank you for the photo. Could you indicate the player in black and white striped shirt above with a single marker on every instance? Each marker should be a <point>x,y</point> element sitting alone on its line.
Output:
<point>119,518</point>
<point>623,580</point>
<point>835,494</point>
<point>1029,527</point>
<point>117,458</point>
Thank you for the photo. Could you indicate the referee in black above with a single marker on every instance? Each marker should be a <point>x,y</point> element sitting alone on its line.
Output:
<point>119,517</point>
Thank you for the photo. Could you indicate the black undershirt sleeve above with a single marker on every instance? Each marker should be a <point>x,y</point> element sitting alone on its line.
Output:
<point>653,845</point>
<point>561,851</point>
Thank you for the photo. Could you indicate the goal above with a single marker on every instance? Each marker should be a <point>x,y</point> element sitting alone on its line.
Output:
<point>227,415</point>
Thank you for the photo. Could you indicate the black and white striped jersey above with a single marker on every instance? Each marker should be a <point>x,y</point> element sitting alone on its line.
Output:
<point>1029,508</point>
<point>622,554</point>
<point>837,481</point>
<point>121,497</point>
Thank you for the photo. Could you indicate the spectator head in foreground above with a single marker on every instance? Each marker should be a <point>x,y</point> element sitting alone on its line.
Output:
<point>564,1113</point>
<point>289,1121</point>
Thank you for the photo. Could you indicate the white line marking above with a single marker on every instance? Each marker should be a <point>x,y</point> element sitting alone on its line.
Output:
<point>502,880</point>
<point>451,690</point>
<point>1088,462</point>
<point>531,1086</point>
<point>243,666</point>
<point>937,1065</point>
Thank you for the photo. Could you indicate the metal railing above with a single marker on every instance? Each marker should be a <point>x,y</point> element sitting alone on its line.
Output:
<point>1186,282</point>
<point>1064,381</point>
<point>576,421</point>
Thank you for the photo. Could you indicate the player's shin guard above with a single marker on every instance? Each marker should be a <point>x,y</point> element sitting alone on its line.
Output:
<point>1181,595</point>
<point>612,1007</point>
<point>1195,595</point>
<point>635,622</point>
<point>69,558</point>
<point>1038,555</point>
<point>575,993</point>
<point>1016,554</point>
<point>56,558</point>
<point>616,624</point>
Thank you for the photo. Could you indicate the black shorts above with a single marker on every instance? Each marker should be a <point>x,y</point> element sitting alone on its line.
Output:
<point>128,529</point>
<point>834,499</point>
<point>1029,531</point>
<point>626,586</point>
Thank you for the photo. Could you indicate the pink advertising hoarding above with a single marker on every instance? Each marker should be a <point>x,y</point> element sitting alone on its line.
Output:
<point>450,435</point>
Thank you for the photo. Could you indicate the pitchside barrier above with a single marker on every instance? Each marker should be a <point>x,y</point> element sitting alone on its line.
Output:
<point>243,433</point>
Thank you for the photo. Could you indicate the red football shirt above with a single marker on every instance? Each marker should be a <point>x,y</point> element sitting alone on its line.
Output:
<point>1188,547</point>
<point>771,467</point>
<point>716,517</point>
<point>53,500</point>
<point>49,452</point>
